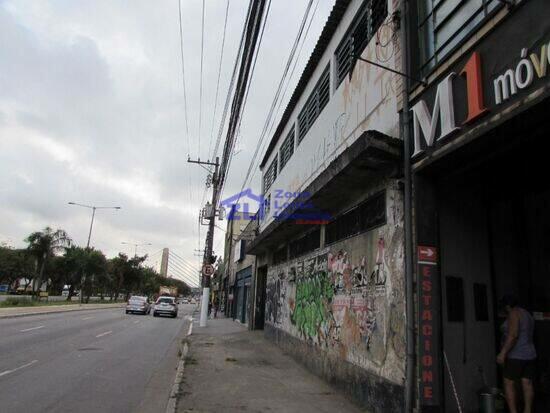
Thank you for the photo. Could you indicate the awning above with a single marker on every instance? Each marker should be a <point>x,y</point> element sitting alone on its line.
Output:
<point>371,157</point>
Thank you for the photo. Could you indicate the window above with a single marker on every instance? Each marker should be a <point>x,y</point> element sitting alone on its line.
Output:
<point>367,22</point>
<point>287,149</point>
<point>315,104</point>
<point>443,24</point>
<point>270,175</point>
<point>364,217</point>
<point>309,242</point>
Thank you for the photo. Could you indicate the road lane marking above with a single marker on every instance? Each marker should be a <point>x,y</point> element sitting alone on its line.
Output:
<point>30,329</point>
<point>87,318</point>
<point>137,321</point>
<point>5,373</point>
<point>103,334</point>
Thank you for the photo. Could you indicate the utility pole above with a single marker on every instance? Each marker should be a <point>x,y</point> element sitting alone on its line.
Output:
<point>210,215</point>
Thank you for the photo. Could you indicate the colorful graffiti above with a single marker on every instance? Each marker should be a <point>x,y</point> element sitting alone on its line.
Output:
<point>347,277</point>
<point>335,300</point>
<point>312,303</point>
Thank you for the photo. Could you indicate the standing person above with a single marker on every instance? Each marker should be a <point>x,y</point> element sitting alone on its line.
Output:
<point>518,354</point>
<point>216,307</point>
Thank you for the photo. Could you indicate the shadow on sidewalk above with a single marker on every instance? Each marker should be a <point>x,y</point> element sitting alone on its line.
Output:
<point>231,369</point>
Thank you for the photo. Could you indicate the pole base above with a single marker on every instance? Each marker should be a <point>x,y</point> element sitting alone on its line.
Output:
<point>204,306</point>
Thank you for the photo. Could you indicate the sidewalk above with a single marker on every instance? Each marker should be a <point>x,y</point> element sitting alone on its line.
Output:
<point>231,369</point>
<point>38,310</point>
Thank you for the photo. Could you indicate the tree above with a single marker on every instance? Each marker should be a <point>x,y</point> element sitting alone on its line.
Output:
<point>95,267</point>
<point>15,264</point>
<point>45,244</point>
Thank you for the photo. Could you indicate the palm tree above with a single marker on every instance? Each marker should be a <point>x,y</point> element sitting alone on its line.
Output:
<point>45,244</point>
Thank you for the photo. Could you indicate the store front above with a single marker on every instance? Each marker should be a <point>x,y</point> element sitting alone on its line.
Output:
<point>481,194</point>
<point>244,279</point>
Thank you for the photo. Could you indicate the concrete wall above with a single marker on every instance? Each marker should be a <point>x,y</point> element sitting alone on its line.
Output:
<point>344,303</point>
<point>367,101</point>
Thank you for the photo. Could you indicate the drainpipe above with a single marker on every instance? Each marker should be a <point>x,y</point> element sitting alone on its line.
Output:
<point>409,293</point>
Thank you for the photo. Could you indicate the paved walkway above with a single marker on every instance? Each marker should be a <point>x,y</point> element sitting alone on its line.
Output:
<point>231,369</point>
<point>37,310</point>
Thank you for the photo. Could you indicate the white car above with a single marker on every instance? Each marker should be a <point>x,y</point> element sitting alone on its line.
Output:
<point>165,306</point>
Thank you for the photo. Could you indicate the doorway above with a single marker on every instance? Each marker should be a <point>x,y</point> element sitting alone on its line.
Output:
<point>493,226</point>
<point>261,285</point>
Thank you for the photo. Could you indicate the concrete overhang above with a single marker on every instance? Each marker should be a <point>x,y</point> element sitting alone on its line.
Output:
<point>371,157</point>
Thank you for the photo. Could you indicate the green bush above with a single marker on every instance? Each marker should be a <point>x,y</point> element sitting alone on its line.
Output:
<point>15,301</point>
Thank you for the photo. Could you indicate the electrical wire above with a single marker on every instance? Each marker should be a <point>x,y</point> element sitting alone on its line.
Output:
<point>279,89</point>
<point>250,54</point>
<point>218,81</point>
<point>256,168</point>
<point>200,90</point>
<point>232,152</point>
<point>183,75</point>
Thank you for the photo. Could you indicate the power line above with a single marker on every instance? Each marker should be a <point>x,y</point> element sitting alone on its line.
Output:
<point>200,90</point>
<point>254,27</point>
<point>264,143</point>
<point>218,81</point>
<point>231,154</point>
<point>279,89</point>
<point>183,75</point>
<point>231,84</point>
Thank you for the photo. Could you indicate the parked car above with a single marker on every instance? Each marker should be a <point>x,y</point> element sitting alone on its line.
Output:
<point>138,304</point>
<point>185,301</point>
<point>166,306</point>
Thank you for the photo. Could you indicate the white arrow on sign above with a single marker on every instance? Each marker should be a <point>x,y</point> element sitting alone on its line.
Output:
<point>428,251</point>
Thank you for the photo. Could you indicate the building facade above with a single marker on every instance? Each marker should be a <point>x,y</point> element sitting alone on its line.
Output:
<point>236,284</point>
<point>329,279</point>
<point>480,190</point>
<point>371,183</point>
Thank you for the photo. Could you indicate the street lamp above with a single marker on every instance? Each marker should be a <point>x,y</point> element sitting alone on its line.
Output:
<point>136,245</point>
<point>93,208</point>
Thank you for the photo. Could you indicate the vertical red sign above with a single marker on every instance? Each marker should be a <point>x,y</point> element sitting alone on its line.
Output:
<point>428,323</point>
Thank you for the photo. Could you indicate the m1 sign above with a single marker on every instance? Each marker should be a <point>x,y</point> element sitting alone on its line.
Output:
<point>443,108</point>
<point>504,68</point>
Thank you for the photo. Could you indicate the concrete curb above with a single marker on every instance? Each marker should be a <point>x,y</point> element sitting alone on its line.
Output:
<point>172,405</point>
<point>2,317</point>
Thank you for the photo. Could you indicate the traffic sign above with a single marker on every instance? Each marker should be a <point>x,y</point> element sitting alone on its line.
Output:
<point>207,269</point>
<point>427,254</point>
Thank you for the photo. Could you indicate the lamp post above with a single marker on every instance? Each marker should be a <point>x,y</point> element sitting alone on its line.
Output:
<point>136,245</point>
<point>93,208</point>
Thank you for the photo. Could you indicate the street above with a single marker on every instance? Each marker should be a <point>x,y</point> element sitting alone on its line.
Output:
<point>89,361</point>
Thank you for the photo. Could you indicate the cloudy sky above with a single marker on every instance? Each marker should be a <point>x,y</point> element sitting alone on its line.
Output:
<point>92,111</point>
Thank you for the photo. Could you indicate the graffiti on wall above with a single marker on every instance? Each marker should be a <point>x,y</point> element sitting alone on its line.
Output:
<point>314,292</point>
<point>329,298</point>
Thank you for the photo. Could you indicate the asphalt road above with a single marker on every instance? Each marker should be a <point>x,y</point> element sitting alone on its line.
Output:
<point>89,361</point>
